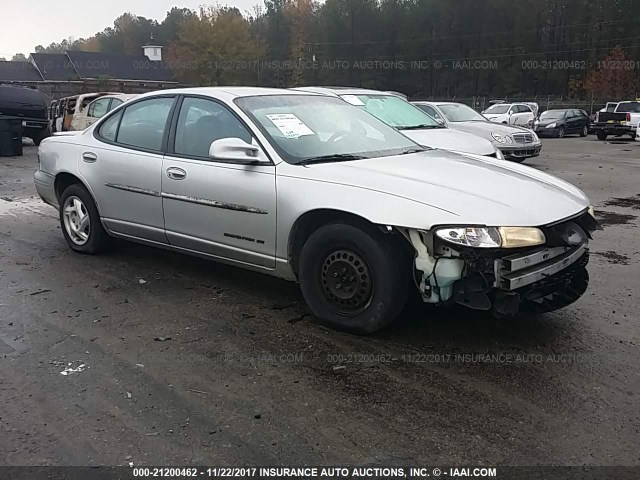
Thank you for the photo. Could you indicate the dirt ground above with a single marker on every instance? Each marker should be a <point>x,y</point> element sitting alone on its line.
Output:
<point>150,357</point>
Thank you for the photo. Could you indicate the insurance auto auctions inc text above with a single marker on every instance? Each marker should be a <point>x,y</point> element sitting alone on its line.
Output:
<point>375,472</point>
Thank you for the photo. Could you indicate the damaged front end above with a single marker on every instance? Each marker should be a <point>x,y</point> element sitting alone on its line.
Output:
<point>504,270</point>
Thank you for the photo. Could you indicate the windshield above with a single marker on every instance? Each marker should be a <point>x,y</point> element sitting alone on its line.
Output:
<point>549,114</point>
<point>633,107</point>
<point>393,111</point>
<point>498,109</point>
<point>306,127</point>
<point>461,113</point>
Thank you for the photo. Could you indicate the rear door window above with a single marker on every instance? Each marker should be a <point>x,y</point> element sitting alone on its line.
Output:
<point>144,123</point>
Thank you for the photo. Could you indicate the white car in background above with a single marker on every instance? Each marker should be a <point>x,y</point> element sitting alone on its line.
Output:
<point>395,111</point>
<point>98,109</point>
<point>510,113</point>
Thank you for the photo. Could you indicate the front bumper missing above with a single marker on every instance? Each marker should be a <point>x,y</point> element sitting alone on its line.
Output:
<point>519,270</point>
<point>535,281</point>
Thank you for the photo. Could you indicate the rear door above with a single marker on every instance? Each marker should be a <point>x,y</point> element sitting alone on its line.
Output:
<point>123,166</point>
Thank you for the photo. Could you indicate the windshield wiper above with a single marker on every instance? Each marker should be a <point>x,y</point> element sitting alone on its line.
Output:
<point>420,127</point>
<point>337,157</point>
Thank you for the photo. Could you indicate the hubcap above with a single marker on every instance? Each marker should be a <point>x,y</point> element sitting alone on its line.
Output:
<point>346,281</point>
<point>76,220</point>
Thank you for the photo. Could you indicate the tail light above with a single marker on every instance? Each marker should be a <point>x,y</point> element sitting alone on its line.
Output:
<point>628,117</point>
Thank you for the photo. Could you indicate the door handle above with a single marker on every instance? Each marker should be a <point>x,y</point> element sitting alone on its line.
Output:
<point>89,157</point>
<point>175,173</point>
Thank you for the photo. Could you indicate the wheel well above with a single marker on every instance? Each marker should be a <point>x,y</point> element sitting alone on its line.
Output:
<point>63,181</point>
<point>309,222</point>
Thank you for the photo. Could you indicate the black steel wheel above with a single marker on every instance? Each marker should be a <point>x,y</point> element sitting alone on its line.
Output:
<point>354,277</point>
<point>347,281</point>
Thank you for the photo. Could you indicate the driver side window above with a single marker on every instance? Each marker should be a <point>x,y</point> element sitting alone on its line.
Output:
<point>201,122</point>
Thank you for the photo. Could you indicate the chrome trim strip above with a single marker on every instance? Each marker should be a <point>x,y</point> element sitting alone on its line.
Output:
<point>129,188</point>
<point>214,203</point>
<point>515,280</point>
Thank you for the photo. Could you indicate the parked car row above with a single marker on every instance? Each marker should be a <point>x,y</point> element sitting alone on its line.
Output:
<point>338,190</point>
<point>515,143</point>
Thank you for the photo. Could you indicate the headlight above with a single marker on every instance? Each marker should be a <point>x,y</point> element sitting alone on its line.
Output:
<point>492,237</point>
<point>497,137</point>
<point>551,125</point>
<point>592,212</point>
<point>499,154</point>
<point>479,237</point>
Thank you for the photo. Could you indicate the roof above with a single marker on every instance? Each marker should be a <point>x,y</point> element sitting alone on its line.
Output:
<point>344,91</point>
<point>120,67</point>
<point>55,67</point>
<point>229,92</point>
<point>18,72</point>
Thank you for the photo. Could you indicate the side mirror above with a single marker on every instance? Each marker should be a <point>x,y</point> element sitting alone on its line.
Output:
<point>235,149</point>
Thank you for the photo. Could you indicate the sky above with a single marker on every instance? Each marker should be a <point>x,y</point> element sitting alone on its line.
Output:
<point>27,23</point>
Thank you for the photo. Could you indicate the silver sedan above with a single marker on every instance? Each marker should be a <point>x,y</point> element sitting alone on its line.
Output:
<point>516,143</point>
<point>311,189</point>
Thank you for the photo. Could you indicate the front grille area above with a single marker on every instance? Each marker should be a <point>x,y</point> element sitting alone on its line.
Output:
<point>523,137</point>
<point>522,153</point>
<point>522,269</point>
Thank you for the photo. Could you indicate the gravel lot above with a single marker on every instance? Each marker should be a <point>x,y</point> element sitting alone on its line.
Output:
<point>150,357</point>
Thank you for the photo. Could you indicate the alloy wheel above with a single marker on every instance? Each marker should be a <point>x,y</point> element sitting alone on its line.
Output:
<point>76,218</point>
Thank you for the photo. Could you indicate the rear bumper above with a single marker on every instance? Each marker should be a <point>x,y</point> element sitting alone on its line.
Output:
<point>45,186</point>
<point>613,129</point>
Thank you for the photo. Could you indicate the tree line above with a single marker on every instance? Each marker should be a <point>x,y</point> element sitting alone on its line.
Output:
<point>424,48</point>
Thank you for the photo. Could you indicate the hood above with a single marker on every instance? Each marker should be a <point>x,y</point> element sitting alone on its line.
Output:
<point>549,121</point>
<point>485,129</point>
<point>448,139</point>
<point>465,189</point>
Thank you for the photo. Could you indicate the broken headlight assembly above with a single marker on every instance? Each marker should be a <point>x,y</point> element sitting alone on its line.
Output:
<point>492,237</point>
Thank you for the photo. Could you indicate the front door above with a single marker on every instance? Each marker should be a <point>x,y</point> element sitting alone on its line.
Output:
<point>123,167</point>
<point>224,209</point>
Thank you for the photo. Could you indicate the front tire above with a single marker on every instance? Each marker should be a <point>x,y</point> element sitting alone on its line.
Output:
<point>353,278</point>
<point>80,221</point>
<point>561,132</point>
<point>584,131</point>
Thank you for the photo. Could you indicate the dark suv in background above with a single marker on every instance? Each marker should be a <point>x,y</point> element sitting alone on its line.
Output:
<point>30,106</point>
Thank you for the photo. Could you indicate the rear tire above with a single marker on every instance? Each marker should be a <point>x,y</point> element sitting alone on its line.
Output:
<point>601,135</point>
<point>90,237</point>
<point>353,278</point>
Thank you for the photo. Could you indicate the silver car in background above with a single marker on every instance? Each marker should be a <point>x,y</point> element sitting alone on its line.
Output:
<point>308,188</point>
<point>516,143</point>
